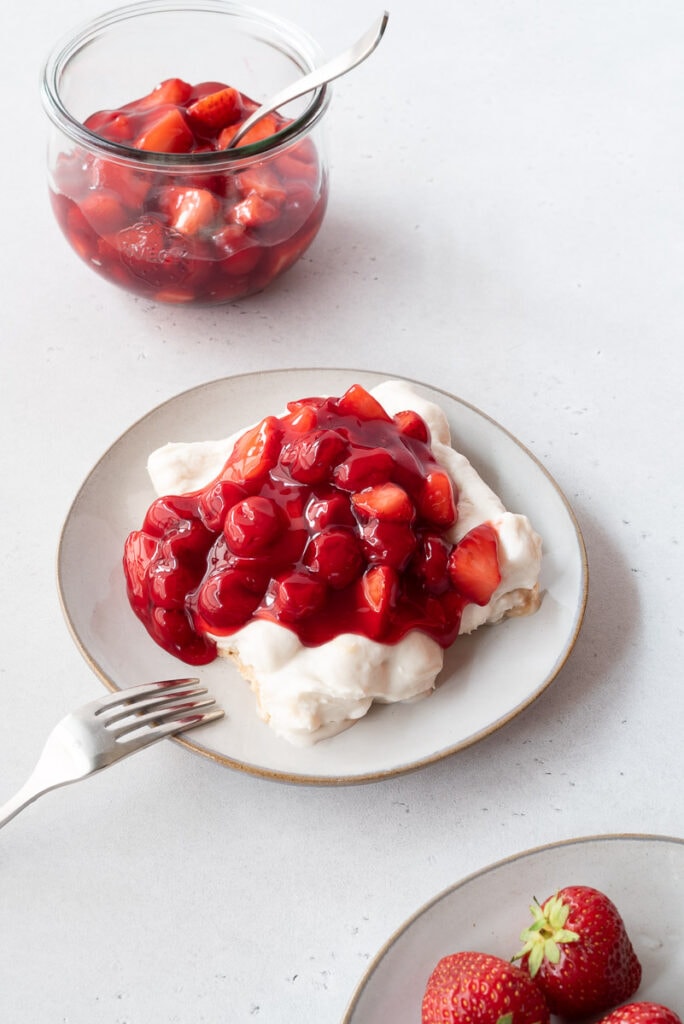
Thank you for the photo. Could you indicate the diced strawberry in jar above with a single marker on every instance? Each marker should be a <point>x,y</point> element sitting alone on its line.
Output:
<point>263,129</point>
<point>166,132</point>
<point>104,211</point>
<point>114,125</point>
<point>215,110</point>
<point>130,185</point>
<point>237,253</point>
<point>254,212</point>
<point>192,211</point>
<point>263,181</point>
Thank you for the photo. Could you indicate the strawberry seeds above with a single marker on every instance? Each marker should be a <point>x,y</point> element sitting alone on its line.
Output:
<point>331,519</point>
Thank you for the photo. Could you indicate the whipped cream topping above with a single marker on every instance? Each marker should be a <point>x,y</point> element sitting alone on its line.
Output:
<point>309,693</point>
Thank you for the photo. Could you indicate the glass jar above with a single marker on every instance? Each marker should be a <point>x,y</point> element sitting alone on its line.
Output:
<point>137,182</point>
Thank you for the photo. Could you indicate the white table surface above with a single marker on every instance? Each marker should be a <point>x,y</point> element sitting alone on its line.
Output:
<point>507,222</point>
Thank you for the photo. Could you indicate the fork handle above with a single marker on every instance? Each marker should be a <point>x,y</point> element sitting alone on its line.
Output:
<point>29,792</point>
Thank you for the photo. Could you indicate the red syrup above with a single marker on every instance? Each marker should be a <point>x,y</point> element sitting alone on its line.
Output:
<point>331,519</point>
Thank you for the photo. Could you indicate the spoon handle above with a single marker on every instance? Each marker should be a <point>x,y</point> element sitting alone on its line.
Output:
<point>332,69</point>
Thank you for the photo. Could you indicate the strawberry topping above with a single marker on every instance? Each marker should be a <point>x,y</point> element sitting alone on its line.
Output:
<point>244,226</point>
<point>308,526</point>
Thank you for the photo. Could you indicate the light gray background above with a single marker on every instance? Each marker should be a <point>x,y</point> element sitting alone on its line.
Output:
<point>506,221</point>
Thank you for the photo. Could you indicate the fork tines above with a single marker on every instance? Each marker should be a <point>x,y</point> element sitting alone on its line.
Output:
<point>159,708</point>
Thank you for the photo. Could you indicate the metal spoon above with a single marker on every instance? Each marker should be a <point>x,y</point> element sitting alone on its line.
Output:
<point>319,76</point>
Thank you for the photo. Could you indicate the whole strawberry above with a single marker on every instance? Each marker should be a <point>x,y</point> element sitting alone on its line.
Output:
<point>579,954</point>
<point>476,988</point>
<point>641,1013</point>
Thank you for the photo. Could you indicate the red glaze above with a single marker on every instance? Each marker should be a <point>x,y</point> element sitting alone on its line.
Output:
<point>192,235</point>
<point>308,526</point>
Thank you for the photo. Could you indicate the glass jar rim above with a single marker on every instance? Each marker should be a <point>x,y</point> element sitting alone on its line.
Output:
<point>297,39</point>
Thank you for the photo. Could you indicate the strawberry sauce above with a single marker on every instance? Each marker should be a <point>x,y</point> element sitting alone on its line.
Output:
<point>331,519</point>
<point>177,233</point>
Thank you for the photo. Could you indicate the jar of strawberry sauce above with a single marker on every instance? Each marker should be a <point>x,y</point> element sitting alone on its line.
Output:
<point>143,103</point>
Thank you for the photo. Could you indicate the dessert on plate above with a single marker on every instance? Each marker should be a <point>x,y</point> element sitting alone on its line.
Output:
<point>332,552</point>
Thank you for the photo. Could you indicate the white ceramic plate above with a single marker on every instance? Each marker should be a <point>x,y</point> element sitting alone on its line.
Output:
<point>488,677</point>
<point>643,875</point>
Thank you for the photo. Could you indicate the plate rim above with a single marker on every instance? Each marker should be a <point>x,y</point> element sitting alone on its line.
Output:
<point>272,774</point>
<point>510,859</point>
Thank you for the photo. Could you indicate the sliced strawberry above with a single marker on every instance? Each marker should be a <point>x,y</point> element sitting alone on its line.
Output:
<point>430,563</point>
<point>168,513</point>
<point>159,256</point>
<point>169,582</point>
<point>253,211</point>
<point>364,467</point>
<point>252,525</point>
<point>255,453</point>
<point>385,501</point>
<point>295,595</point>
<point>104,211</point>
<point>114,125</point>
<point>139,550</point>
<point>335,557</point>
<point>328,509</point>
<point>263,129</point>
<point>436,504</point>
<point>173,630</point>
<point>214,501</point>
<point>262,180</point>
<point>388,543</point>
<point>302,419</point>
<point>412,425</point>
<point>172,91</point>
<point>189,542</point>
<point>191,211</point>
<point>474,565</point>
<point>292,170</point>
<point>166,132</point>
<point>130,185</point>
<point>237,252</point>
<point>226,599</point>
<point>82,238</point>
<point>379,593</point>
<point>216,110</point>
<point>360,403</point>
<point>312,458</point>
<point>310,402</point>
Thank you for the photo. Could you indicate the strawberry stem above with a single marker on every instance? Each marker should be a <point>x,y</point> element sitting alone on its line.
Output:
<point>547,933</point>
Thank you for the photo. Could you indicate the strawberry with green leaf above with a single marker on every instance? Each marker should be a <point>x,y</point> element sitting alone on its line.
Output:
<point>578,952</point>
<point>477,988</point>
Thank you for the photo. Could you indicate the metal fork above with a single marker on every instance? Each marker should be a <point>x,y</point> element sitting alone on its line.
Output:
<point>105,731</point>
